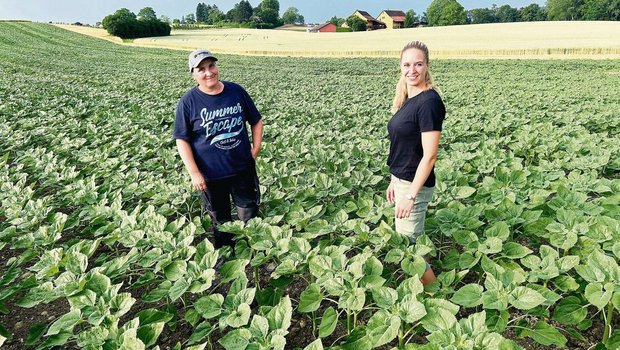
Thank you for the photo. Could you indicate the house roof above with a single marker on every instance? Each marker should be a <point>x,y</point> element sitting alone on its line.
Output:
<point>397,15</point>
<point>321,26</point>
<point>366,14</point>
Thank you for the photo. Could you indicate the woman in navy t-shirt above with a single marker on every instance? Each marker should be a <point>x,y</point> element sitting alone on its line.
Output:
<point>213,142</point>
<point>414,133</point>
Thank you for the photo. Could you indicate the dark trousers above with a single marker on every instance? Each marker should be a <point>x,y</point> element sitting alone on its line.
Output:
<point>245,193</point>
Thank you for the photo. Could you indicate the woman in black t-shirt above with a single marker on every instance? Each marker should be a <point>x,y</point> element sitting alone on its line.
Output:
<point>414,133</point>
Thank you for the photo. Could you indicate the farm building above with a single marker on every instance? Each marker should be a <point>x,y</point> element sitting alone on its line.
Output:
<point>393,19</point>
<point>372,22</point>
<point>323,28</point>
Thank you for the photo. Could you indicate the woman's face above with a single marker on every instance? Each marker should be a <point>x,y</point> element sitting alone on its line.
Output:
<point>207,74</point>
<point>414,68</point>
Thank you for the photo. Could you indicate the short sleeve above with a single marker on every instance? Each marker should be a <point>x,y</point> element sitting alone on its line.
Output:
<point>182,128</point>
<point>431,115</point>
<point>251,112</point>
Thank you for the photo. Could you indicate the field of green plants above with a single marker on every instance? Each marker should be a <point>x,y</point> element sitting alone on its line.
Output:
<point>103,242</point>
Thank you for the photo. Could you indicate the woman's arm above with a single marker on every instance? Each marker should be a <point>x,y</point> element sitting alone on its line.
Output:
<point>257,138</point>
<point>185,151</point>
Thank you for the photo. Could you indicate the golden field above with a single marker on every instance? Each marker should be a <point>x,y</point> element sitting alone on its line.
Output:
<point>577,39</point>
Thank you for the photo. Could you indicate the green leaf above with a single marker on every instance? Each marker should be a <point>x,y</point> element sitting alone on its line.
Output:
<point>384,297</point>
<point>175,270</point>
<point>357,340</point>
<point>310,298</point>
<point>524,298</point>
<point>236,340</point>
<point>149,316</point>
<point>570,311</point>
<point>179,288</point>
<point>148,334</point>
<point>35,333</point>
<point>209,306</point>
<point>200,333</point>
<point>328,322</point>
<point>545,334</point>
<point>462,192</point>
<point>514,250</point>
<point>596,296</point>
<point>410,310</point>
<point>315,345</point>
<point>382,328</point>
<point>65,323</point>
<point>239,317</point>
<point>233,269</point>
<point>469,295</point>
<point>499,230</point>
<point>280,316</point>
<point>497,320</point>
<point>59,339</point>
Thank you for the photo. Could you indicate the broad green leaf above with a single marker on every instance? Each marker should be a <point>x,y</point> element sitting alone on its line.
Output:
<point>410,310</point>
<point>570,311</point>
<point>382,328</point>
<point>469,295</point>
<point>328,322</point>
<point>280,316</point>
<point>175,270</point>
<point>239,317</point>
<point>179,288</point>
<point>462,192</point>
<point>35,333</point>
<point>524,298</point>
<point>148,334</point>
<point>514,250</point>
<point>545,334</point>
<point>233,269</point>
<point>149,316</point>
<point>236,340</point>
<point>384,297</point>
<point>357,340</point>
<point>200,333</point>
<point>499,230</point>
<point>65,323</point>
<point>315,345</point>
<point>596,296</point>
<point>310,298</point>
<point>209,306</point>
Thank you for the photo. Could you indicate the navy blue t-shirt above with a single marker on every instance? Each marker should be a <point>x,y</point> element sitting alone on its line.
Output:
<point>423,112</point>
<point>215,128</point>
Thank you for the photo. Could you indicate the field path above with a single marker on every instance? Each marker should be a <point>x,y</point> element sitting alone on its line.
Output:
<point>506,40</point>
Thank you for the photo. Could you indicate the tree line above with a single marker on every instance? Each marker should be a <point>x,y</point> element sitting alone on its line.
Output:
<point>451,12</point>
<point>125,24</point>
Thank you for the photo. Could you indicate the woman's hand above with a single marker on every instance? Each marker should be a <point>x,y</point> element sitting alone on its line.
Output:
<point>389,194</point>
<point>198,181</point>
<point>403,208</point>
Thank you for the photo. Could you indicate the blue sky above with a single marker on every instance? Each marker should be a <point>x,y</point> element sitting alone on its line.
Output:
<point>317,11</point>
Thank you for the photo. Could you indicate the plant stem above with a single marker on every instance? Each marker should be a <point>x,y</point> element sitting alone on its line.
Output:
<point>256,279</point>
<point>610,313</point>
<point>401,337</point>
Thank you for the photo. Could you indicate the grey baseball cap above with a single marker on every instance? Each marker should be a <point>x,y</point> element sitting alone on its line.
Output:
<point>197,56</point>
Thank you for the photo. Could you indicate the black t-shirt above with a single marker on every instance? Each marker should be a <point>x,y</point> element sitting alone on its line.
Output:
<point>423,112</point>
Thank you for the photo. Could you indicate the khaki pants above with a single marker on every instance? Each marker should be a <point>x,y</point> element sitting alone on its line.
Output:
<point>413,225</point>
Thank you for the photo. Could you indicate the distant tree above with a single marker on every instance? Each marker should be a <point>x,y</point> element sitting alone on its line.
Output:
<point>506,13</point>
<point>147,14</point>
<point>292,15</point>
<point>124,24</point>
<point>202,13</point>
<point>270,12</point>
<point>410,19</point>
<point>356,24</point>
<point>532,13</point>
<point>190,18</point>
<point>165,19</point>
<point>481,15</point>
<point>215,15</point>
<point>424,18</point>
<point>563,10</point>
<point>445,13</point>
<point>337,21</point>
<point>242,12</point>
<point>600,10</point>
<point>176,21</point>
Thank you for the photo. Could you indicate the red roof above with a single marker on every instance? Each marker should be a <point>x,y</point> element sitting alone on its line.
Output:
<point>396,15</point>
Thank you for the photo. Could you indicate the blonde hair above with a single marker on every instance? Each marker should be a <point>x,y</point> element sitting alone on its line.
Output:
<point>401,94</point>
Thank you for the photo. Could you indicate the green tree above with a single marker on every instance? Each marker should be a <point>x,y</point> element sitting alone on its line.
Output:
<point>506,13</point>
<point>202,13</point>
<point>190,18</point>
<point>410,19</point>
<point>292,15</point>
<point>242,12</point>
<point>165,19</point>
<point>445,13</point>
<point>563,10</point>
<point>481,15</point>
<point>356,24</point>
<point>215,15</point>
<point>147,14</point>
<point>119,21</point>
<point>270,12</point>
<point>337,21</point>
<point>532,13</point>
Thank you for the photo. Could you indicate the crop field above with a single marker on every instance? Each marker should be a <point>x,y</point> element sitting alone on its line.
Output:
<point>103,242</point>
<point>567,39</point>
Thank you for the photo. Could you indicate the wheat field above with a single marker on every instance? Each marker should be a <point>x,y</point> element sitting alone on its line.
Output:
<point>578,39</point>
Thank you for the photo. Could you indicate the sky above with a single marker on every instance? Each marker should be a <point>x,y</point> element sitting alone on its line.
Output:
<point>314,11</point>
